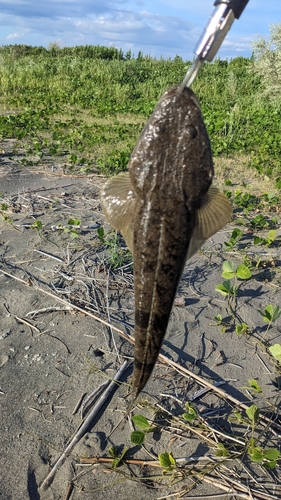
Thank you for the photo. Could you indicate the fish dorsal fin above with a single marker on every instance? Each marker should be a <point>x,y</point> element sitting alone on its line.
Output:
<point>213,215</point>
<point>118,201</point>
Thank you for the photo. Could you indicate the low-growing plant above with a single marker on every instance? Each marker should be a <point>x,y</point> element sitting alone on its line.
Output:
<point>138,437</point>
<point>73,226</point>
<point>267,240</point>
<point>253,386</point>
<point>266,457</point>
<point>241,272</point>
<point>117,255</point>
<point>242,328</point>
<point>167,461</point>
<point>117,456</point>
<point>191,412</point>
<point>230,290</point>
<point>270,314</point>
<point>37,224</point>
<point>3,209</point>
<point>235,237</point>
<point>275,351</point>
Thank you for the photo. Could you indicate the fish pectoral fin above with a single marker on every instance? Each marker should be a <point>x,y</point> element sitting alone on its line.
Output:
<point>118,201</point>
<point>213,215</point>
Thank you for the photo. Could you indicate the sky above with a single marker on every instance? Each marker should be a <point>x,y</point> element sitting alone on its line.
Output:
<point>155,27</point>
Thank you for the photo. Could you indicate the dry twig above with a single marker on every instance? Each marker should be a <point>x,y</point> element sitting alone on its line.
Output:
<point>84,427</point>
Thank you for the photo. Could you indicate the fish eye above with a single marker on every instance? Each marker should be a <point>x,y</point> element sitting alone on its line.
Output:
<point>191,130</point>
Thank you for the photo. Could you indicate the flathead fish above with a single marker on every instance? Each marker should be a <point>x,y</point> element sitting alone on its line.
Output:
<point>165,208</point>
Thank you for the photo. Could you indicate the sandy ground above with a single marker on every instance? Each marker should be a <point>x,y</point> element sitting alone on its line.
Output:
<point>51,354</point>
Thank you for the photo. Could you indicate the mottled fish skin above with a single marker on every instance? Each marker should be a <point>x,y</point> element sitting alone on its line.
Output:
<point>166,208</point>
<point>171,170</point>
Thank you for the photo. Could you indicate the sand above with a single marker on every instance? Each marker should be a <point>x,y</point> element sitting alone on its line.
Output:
<point>51,353</point>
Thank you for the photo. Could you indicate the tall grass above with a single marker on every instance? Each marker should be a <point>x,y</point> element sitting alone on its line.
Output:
<point>63,95</point>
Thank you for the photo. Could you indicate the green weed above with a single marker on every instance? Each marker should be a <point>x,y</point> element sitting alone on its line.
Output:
<point>117,457</point>
<point>138,437</point>
<point>230,290</point>
<point>235,237</point>
<point>270,314</point>
<point>253,386</point>
<point>118,256</point>
<point>275,351</point>
<point>37,224</point>
<point>267,240</point>
<point>72,229</point>
<point>241,272</point>
<point>167,461</point>
<point>242,328</point>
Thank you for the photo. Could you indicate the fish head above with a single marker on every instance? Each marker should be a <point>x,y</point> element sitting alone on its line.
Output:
<point>173,151</point>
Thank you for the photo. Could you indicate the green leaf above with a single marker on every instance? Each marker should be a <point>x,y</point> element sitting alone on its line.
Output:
<point>226,288</point>
<point>228,269</point>
<point>137,437</point>
<point>73,232</point>
<point>243,272</point>
<point>272,454</point>
<point>112,452</point>
<point>189,416</point>
<point>253,413</point>
<point>228,266</point>
<point>275,350</point>
<point>271,313</point>
<point>117,459</point>
<point>167,461</point>
<point>266,315</point>
<point>191,412</point>
<point>256,455</point>
<point>242,328</point>
<point>222,290</point>
<point>272,234</point>
<point>222,451</point>
<point>218,319</point>
<point>101,234</point>
<point>74,222</point>
<point>254,385</point>
<point>115,462</point>
<point>37,224</point>
<point>237,233</point>
<point>172,460</point>
<point>275,312</point>
<point>270,465</point>
<point>227,275</point>
<point>257,240</point>
<point>123,452</point>
<point>236,416</point>
<point>141,422</point>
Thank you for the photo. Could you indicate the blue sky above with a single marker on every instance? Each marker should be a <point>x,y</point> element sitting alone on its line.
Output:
<point>157,27</point>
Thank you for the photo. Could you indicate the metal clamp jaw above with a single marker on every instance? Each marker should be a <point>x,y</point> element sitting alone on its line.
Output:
<point>213,35</point>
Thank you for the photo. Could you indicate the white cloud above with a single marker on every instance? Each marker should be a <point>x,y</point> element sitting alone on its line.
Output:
<point>13,35</point>
<point>161,27</point>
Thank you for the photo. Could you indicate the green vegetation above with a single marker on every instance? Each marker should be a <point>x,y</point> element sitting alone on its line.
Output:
<point>118,256</point>
<point>88,104</point>
<point>241,272</point>
<point>244,444</point>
